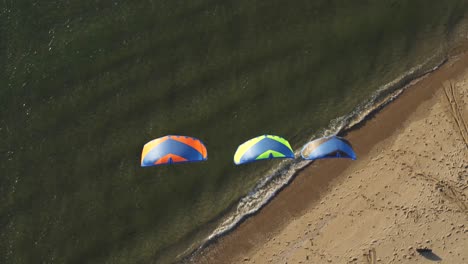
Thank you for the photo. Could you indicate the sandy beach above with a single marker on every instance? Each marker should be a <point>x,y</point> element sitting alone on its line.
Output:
<point>407,191</point>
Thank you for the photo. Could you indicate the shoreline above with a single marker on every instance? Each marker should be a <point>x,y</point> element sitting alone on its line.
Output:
<point>307,190</point>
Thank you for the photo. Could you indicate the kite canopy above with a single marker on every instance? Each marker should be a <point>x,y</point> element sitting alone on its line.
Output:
<point>263,147</point>
<point>173,149</point>
<point>328,147</point>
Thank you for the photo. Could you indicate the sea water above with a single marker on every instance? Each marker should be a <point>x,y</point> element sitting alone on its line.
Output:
<point>85,84</point>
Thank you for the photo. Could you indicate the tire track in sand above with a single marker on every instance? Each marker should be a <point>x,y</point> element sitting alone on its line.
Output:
<point>453,98</point>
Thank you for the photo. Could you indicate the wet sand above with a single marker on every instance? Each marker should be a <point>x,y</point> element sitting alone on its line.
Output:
<point>407,191</point>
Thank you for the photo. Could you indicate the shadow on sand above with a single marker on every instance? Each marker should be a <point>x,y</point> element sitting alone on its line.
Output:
<point>428,254</point>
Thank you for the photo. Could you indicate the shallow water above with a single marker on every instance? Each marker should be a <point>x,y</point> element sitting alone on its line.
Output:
<point>85,84</point>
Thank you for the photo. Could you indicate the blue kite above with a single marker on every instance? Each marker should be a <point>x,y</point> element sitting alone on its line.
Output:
<point>328,147</point>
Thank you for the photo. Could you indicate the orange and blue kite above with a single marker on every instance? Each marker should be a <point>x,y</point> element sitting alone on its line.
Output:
<point>173,149</point>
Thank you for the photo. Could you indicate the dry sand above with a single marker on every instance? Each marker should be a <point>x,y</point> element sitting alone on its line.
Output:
<point>408,190</point>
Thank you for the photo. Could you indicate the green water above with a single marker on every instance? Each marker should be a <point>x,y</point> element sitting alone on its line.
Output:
<point>85,84</point>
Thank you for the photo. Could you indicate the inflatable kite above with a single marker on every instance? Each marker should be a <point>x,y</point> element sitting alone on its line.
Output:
<point>173,149</point>
<point>328,147</point>
<point>263,147</point>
